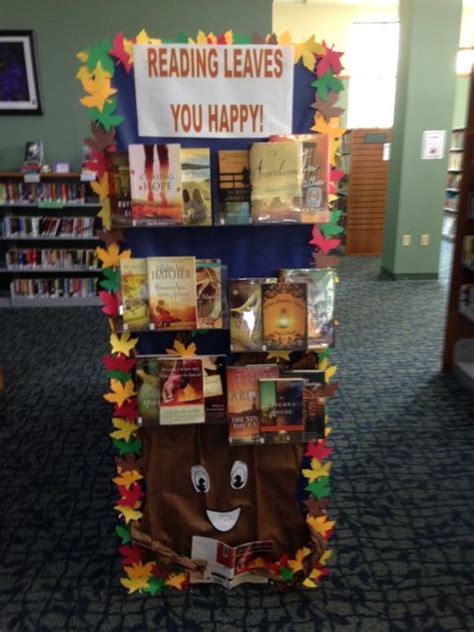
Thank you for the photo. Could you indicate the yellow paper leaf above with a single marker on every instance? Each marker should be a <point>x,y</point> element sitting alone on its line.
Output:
<point>327,432</point>
<point>315,574</point>
<point>128,513</point>
<point>325,557</point>
<point>138,570</point>
<point>308,583</point>
<point>132,585</point>
<point>101,187</point>
<point>111,257</point>
<point>317,470</point>
<point>332,197</point>
<point>122,343</point>
<point>82,56</point>
<point>127,46</point>
<point>127,478</point>
<point>104,214</point>
<point>323,365</point>
<point>228,37</point>
<point>98,89</point>
<point>278,355</point>
<point>320,524</point>
<point>180,349</point>
<point>329,373</point>
<point>330,129</point>
<point>125,429</point>
<point>144,38</point>
<point>201,38</point>
<point>284,38</point>
<point>307,50</point>
<point>83,75</point>
<point>176,581</point>
<point>120,392</point>
<point>296,564</point>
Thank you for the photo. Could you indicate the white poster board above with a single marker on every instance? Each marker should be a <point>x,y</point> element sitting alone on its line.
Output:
<point>433,144</point>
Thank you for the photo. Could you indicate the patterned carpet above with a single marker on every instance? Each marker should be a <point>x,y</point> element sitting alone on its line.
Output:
<point>403,478</point>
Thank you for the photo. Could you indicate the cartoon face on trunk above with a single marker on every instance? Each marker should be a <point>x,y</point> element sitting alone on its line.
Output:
<point>198,485</point>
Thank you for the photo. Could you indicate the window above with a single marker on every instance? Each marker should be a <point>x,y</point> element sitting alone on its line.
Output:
<point>371,62</point>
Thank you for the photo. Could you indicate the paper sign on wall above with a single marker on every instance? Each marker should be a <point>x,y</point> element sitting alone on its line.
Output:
<point>213,91</point>
<point>432,147</point>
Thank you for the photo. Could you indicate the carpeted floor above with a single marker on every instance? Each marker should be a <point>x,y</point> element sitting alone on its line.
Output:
<point>403,481</point>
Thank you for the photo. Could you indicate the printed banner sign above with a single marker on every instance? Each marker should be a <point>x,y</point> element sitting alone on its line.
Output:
<point>213,91</point>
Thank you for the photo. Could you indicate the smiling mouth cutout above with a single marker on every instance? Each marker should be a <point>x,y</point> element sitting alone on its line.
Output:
<point>223,520</point>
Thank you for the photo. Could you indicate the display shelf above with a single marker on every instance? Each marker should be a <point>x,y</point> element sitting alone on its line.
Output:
<point>454,170</point>
<point>50,205</point>
<point>450,210</point>
<point>48,238</point>
<point>456,149</point>
<point>46,301</point>
<point>452,190</point>
<point>5,175</point>
<point>40,270</point>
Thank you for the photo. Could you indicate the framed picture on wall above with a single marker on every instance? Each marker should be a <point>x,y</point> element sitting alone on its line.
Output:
<point>18,81</point>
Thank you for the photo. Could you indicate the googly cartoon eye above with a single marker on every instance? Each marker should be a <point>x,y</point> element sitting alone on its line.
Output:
<point>200,479</point>
<point>238,475</point>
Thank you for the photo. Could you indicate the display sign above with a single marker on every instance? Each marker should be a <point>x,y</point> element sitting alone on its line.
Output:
<point>213,91</point>
<point>432,146</point>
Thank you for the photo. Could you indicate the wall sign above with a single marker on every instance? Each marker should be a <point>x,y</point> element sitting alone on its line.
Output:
<point>432,147</point>
<point>213,91</point>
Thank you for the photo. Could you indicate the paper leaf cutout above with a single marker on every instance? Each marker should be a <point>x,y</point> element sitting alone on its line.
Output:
<point>123,533</point>
<point>101,188</point>
<point>98,89</point>
<point>330,61</point>
<point>96,163</point>
<point>155,586</point>
<point>325,261</point>
<point>109,302</point>
<point>127,411</point>
<point>329,373</point>
<point>318,451</point>
<point>130,497</point>
<point>82,56</point>
<point>329,230</point>
<point>320,524</point>
<point>101,140</point>
<point>126,464</point>
<point>327,108</point>
<point>130,554</point>
<point>130,447</point>
<point>325,555</point>
<point>177,581</point>
<point>117,375</point>
<point>122,343</point>
<point>119,52</point>
<point>111,236</point>
<point>144,38</point>
<point>317,470</point>
<point>99,54</point>
<point>124,429</point>
<point>297,564</point>
<point>180,349</point>
<point>128,513</point>
<point>104,214</point>
<point>325,84</point>
<point>307,51</point>
<point>330,128</point>
<point>286,574</point>
<point>316,507</point>
<point>285,39</point>
<point>107,116</point>
<point>279,355</point>
<point>111,257</point>
<point>110,280</point>
<point>118,363</point>
<point>126,479</point>
<point>120,392</point>
<point>134,585</point>
<point>320,488</point>
<point>325,245</point>
<point>308,583</point>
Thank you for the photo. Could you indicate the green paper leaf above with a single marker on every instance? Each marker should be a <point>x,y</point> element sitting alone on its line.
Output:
<point>286,574</point>
<point>112,279</point>
<point>325,84</point>
<point>106,118</point>
<point>127,447</point>
<point>331,229</point>
<point>118,375</point>
<point>335,217</point>
<point>155,585</point>
<point>181,39</point>
<point>199,332</point>
<point>319,488</point>
<point>100,53</point>
<point>324,355</point>
<point>241,39</point>
<point>123,533</point>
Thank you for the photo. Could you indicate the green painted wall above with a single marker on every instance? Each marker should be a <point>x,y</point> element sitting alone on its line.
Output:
<point>429,37</point>
<point>63,27</point>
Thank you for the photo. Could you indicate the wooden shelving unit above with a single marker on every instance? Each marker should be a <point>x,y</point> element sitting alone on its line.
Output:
<point>451,204</point>
<point>364,187</point>
<point>459,338</point>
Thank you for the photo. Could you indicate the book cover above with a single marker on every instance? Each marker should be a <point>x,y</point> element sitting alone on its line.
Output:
<point>34,154</point>
<point>321,286</point>
<point>209,294</point>
<point>284,316</point>
<point>155,184</point>
<point>147,384</point>
<point>214,379</point>
<point>245,314</point>
<point>181,391</point>
<point>276,182</point>
<point>134,294</point>
<point>118,172</point>
<point>281,409</point>
<point>468,251</point>
<point>242,400</point>
<point>234,187</point>
<point>172,292</point>
<point>313,404</point>
<point>315,175</point>
<point>196,185</point>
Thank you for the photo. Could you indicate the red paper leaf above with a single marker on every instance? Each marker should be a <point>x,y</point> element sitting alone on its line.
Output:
<point>118,363</point>
<point>118,51</point>
<point>130,497</point>
<point>325,245</point>
<point>128,410</point>
<point>330,61</point>
<point>109,301</point>
<point>318,450</point>
<point>97,163</point>
<point>130,555</point>
<point>221,39</point>
<point>336,175</point>
<point>283,561</point>
<point>322,569</point>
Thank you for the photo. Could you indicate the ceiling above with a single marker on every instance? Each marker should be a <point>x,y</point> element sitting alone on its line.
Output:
<point>356,3</point>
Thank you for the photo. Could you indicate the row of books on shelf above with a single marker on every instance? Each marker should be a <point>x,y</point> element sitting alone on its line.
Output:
<point>18,192</point>
<point>455,160</point>
<point>452,202</point>
<point>466,300</point>
<point>457,139</point>
<point>294,310</point>
<point>453,180</point>
<point>284,180</point>
<point>53,288</point>
<point>50,258</point>
<point>259,402</point>
<point>48,226</point>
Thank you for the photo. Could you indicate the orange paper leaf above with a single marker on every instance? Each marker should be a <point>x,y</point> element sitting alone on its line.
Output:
<point>127,478</point>
<point>120,392</point>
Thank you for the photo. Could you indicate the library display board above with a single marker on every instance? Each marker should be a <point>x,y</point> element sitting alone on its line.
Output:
<point>207,494</point>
